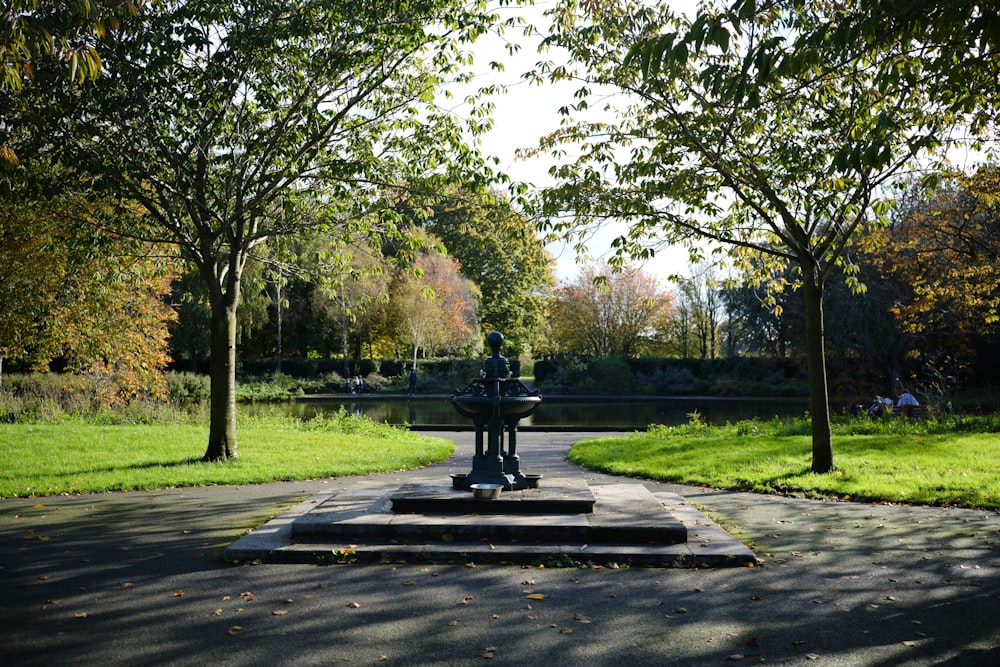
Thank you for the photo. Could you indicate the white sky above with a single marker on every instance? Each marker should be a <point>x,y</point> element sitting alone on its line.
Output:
<point>527,112</point>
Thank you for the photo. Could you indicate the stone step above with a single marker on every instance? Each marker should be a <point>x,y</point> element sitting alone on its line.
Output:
<point>621,513</point>
<point>705,543</point>
<point>559,496</point>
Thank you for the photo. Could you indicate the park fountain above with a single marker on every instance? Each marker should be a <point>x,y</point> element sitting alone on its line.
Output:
<point>507,518</point>
<point>495,402</point>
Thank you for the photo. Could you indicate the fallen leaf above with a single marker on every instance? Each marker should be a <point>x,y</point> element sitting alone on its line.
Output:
<point>812,656</point>
<point>565,631</point>
<point>735,656</point>
<point>909,643</point>
<point>535,596</point>
<point>409,583</point>
<point>217,612</point>
<point>235,630</point>
<point>279,612</point>
<point>353,605</point>
<point>80,614</point>
<point>582,618</point>
<point>454,623</point>
<point>247,595</point>
<point>178,594</point>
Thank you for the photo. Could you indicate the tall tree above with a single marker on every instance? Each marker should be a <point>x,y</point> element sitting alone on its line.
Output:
<point>603,312</point>
<point>722,131</point>
<point>435,307</point>
<point>500,251</point>
<point>215,115</point>
<point>352,291</point>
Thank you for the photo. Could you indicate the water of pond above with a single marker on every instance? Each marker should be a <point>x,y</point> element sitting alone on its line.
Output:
<point>612,412</point>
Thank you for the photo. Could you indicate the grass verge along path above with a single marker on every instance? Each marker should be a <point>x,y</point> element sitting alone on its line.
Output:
<point>77,457</point>
<point>905,464</point>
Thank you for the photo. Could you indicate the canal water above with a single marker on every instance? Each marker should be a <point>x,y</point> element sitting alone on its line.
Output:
<point>605,412</point>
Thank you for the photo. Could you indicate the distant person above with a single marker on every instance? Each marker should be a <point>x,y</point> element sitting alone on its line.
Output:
<point>906,403</point>
<point>413,381</point>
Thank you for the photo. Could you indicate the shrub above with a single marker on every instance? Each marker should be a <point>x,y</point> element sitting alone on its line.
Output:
<point>185,387</point>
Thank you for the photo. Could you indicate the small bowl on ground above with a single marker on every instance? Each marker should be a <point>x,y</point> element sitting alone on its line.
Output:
<point>486,491</point>
<point>532,480</point>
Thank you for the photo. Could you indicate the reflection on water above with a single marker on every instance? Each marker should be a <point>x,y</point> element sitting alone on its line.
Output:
<point>604,413</point>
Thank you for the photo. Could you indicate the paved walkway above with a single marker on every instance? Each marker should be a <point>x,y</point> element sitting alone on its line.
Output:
<point>136,579</point>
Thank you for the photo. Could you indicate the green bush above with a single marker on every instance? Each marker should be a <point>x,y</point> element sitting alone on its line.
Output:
<point>185,387</point>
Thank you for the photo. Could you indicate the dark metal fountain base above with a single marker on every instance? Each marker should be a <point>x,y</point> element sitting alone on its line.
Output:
<point>622,523</point>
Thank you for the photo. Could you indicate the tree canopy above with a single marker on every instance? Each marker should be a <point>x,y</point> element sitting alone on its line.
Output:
<point>233,123</point>
<point>720,127</point>
<point>500,251</point>
<point>91,302</point>
<point>602,312</point>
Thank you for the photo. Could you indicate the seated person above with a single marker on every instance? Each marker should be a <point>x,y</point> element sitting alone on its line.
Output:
<point>905,403</point>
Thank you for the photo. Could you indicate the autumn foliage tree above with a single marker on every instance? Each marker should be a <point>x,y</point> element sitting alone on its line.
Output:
<point>435,308</point>
<point>92,301</point>
<point>609,312</point>
<point>941,251</point>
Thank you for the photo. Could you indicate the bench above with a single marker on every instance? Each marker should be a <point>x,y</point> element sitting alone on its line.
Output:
<point>914,412</point>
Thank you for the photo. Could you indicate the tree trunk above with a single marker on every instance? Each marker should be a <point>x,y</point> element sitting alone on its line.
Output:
<point>222,424</point>
<point>819,403</point>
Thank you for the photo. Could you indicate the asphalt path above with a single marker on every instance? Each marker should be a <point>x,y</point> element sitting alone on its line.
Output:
<point>137,579</point>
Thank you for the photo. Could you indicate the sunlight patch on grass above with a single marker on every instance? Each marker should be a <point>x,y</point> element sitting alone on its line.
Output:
<point>76,457</point>
<point>904,466</point>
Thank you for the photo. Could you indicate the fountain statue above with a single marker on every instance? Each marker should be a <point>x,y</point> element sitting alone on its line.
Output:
<point>496,402</point>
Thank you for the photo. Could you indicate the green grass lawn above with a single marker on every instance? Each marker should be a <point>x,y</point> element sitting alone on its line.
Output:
<point>941,463</point>
<point>78,457</point>
<point>906,463</point>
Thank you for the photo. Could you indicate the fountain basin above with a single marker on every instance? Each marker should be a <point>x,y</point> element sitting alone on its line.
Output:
<point>505,407</point>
